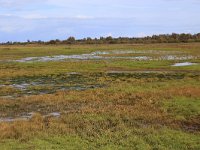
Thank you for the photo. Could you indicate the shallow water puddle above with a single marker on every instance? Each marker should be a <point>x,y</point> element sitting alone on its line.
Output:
<point>39,85</point>
<point>21,86</point>
<point>135,52</point>
<point>174,57</point>
<point>44,89</point>
<point>53,114</point>
<point>29,116</point>
<point>102,55</point>
<point>59,58</point>
<point>184,64</point>
<point>24,86</point>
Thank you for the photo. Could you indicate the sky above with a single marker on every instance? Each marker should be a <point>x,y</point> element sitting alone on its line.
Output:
<point>22,20</point>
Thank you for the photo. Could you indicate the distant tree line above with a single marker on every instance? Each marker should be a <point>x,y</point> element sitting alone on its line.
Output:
<point>162,38</point>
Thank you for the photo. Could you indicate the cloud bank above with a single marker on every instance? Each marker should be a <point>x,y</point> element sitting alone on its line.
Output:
<point>51,19</point>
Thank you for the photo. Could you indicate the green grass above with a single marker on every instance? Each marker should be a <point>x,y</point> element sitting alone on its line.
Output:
<point>47,143</point>
<point>140,139</point>
<point>183,107</point>
<point>16,52</point>
<point>47,68</point>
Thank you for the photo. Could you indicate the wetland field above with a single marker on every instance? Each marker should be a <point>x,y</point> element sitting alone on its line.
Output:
<point>107,96</point>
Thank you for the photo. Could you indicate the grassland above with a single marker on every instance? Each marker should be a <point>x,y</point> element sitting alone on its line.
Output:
<point>103,104</point>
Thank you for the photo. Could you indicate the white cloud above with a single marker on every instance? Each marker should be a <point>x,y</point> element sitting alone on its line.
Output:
<point>34,16</point>
<point>8,29</point>
<point>83,17</point>
<point>13,24</point>
<point>17,3</point>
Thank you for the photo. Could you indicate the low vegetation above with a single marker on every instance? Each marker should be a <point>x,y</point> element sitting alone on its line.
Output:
<point>122,104</point>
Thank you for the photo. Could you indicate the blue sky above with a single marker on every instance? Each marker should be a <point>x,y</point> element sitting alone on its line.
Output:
<point>21,20</point>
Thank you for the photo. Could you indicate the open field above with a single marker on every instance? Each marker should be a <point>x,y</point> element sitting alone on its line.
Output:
<point>141,96</point>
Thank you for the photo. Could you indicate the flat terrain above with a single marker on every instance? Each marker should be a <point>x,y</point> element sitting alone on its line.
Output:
<point>142,96</point>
